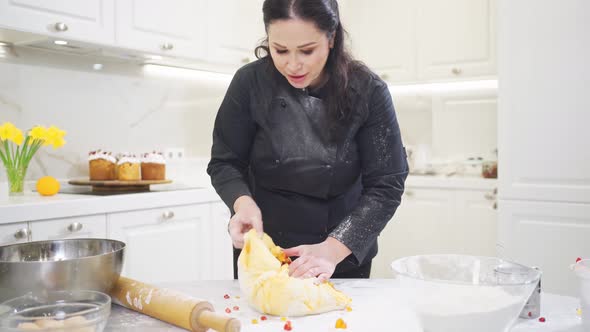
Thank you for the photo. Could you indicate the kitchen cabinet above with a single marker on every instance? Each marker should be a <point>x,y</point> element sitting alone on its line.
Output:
<point>93,226</point>
<point>368,22</point>
<point>548,235</point>
<point>169,244</point>
<point>172,28</point>
<point>455,39</point>
<point>425,40</point>
<point>14,233</point>
<point>91,20</point>
<point>438,221</point>
<point>235,28</point>
<point>544,183</point>
<point>220,267</point>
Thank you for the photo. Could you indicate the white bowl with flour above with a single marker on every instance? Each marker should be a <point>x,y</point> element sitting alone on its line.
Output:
<point>460,293</point>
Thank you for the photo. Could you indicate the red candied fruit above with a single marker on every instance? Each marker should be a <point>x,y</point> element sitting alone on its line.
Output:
<point>288,326</point>
<point>228,310</point>
<point>236,308</point>
<point>226,296</point>
<point>578,259</point>
<point>542,319</point>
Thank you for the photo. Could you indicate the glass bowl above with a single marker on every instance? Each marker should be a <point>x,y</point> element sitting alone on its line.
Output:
<point>582,271</point>
<point>460,293</point>
<point>71,311</point>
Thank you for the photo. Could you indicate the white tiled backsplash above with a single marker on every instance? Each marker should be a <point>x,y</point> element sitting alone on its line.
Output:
<point>118,109</point>
<point>122,110</point>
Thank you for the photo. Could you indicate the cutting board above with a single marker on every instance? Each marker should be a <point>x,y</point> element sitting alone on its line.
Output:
<point>117,185</point>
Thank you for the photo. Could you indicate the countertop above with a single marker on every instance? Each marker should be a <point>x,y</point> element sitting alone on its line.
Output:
<point>31,206</point>
<point>376,306</point>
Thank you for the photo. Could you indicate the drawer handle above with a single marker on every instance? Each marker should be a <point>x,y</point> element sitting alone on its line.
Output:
<point>60,27</point>
<point>246,60</point>
<point>490,197</point>
<point>409,193</point>
<point>75,226</point>
<point>167,46</point>
<point>22,234</point>
<point>495,206</point>
<point>457,71</point>
<point>167,215</point>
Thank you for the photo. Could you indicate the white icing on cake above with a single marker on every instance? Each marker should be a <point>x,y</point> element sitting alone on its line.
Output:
<point>127,158</point>
<point>99,154</point>
<point>154,158</point>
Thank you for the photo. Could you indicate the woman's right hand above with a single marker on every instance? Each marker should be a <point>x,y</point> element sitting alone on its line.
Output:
<point>247,216</point>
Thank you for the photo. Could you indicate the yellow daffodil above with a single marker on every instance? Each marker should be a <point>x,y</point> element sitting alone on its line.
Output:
<point>9,132</point>
<point>38,133</point>
<point>55,137</point>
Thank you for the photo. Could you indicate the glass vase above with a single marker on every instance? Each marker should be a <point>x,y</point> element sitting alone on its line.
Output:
<point>16,179</point>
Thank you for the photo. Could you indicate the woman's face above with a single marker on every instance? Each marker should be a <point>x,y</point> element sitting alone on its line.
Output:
<point>299,50</point>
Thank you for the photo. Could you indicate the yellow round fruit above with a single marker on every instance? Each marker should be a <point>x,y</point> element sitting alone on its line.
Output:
<point>47,186</point>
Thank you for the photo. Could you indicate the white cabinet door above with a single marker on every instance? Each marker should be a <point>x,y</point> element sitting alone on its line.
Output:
<point>423,224</point>
<point>89,20</point>
<point>382,35</point>
<point>455,38</point>
<point>173,27</point>
<point>166,244</point>
<point>14,233</point>
<point>221,243</point>
<point>235,28</point>
<point>438,221</point>
<point>475,223</point>
<point>543,112</point>
<point>69,228</point>
<point>548,235</point>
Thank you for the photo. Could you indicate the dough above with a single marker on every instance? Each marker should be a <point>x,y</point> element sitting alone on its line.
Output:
<point>263,273</point>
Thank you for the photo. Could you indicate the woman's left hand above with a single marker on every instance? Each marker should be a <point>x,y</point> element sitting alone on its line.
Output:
<point>317,260</point>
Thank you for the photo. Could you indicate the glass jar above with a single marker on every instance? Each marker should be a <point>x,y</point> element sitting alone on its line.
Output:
<point>489,169</point>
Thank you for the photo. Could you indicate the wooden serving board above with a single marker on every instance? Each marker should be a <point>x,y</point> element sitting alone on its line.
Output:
<point>117,185</point>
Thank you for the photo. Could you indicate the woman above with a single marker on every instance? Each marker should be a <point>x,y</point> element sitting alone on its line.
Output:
<point>306,145</point>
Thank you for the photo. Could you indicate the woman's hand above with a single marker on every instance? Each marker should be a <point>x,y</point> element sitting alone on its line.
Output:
<point>247,216</point>
<point>317,260</point>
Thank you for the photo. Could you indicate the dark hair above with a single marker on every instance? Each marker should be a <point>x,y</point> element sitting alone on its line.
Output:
<point>325,15</point>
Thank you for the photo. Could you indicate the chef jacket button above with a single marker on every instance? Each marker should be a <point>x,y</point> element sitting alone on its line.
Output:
<point>328,166</point>
<point>277,161</point>
<point>283,104</point>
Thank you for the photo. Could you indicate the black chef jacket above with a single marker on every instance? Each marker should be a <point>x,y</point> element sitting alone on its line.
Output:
<point>271,141</point>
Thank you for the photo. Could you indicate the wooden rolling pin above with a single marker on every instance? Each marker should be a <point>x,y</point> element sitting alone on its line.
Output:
<point>172,307</point>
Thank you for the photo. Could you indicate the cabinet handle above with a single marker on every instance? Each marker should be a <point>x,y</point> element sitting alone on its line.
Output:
<point>75,226</point>
<point>167,46</point>
<point>384,77</point>
<point>245,60</point>
<point>495,206</point>
<point>457,71</point>
<point>167,215</point>
<point>60,27</point>
<point>409,193</point>
<point>22,234</point>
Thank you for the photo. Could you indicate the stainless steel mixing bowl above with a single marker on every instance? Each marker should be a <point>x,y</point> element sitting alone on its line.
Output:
<point>73,264</point>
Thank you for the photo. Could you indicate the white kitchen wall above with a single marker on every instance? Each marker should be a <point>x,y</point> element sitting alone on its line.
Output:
<point>119,108</point>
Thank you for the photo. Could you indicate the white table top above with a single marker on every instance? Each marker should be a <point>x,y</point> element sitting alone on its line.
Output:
<point>375,308</point>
